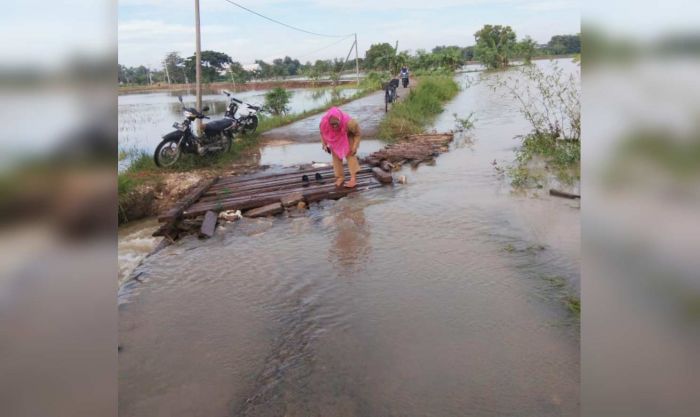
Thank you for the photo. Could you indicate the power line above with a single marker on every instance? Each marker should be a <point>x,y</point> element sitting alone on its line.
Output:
<point>325,47</point>
<point>306,54</point>
<point>284,24</point>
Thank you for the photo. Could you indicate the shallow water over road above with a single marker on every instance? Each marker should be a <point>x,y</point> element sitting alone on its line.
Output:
<point>435,298</point>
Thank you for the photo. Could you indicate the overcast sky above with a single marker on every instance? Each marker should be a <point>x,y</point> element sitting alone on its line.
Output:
<point>148,29</point>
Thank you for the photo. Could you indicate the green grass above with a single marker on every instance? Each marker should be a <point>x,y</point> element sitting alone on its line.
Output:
<point>560,290</point>
<point>573,303</point>
<point>421,106</point>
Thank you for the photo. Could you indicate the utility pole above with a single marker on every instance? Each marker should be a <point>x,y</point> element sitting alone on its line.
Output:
<point>357,63</point>
<point>198,64</point>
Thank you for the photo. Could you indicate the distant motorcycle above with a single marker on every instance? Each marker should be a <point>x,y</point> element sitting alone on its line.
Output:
<point>245,124</point>
<point>390,95</point>
<point>218,137</point>
<point>404,79</point>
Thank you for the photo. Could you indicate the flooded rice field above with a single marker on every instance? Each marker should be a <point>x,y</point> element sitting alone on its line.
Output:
<point>440,297</point>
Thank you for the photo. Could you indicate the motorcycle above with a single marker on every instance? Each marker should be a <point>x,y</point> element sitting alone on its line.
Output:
<point>245,124</point>
<point>390,95</point>
<point>218,137</point>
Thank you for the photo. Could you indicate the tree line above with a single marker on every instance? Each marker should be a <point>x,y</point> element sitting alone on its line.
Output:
<point>495,47</point>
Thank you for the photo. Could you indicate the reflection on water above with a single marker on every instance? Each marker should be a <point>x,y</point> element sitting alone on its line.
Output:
<point>350,246</point>
<point>429,299</point>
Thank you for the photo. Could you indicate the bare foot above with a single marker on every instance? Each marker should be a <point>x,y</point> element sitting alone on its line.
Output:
<point>351,184</point>
<point>339,182</point>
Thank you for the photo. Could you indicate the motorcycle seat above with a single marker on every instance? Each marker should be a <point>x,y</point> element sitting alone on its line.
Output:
<point>217,126</point>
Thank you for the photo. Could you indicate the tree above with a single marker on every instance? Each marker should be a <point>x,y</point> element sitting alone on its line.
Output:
<point>175,65</point>
<point>379,55</point>
<point>468,53</point>
<point>265,69</point>
<point>526,49</point>
<point>564,44</point>
<point>495,45</point>
<point>123,75</point>
<point>277,99</point>
<point>237,73</point>
<point>213,63</point>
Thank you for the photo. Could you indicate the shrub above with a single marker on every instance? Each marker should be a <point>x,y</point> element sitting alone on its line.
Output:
<point>276,100</point>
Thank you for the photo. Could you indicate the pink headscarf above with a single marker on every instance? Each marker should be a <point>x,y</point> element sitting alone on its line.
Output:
<point>337,140</point>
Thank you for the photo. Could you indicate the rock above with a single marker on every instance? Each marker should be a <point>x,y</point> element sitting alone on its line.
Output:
<point>402,179</point>
<point>301,205</point>
<point>268,210</point>
<point>382,176</point>
<point>292,199</point>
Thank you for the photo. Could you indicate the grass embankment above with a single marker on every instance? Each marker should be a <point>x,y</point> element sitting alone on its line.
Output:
<point>143,171</point>
<point>421,107</point>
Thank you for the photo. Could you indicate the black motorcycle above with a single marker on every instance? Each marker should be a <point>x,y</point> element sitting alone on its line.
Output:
<point>218,136</point>
<point>390,95</point>
<point>245,124</point>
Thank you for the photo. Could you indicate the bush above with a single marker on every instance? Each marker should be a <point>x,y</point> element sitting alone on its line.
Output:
<point>420,107</point>
<point>276,100</point>
<point>373,81</point>
<point>550,102</point>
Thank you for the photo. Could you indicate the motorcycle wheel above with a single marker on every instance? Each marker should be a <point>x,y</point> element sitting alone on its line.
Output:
<point>226,142</point>
<point>167,153</point>
<point>250,128</point>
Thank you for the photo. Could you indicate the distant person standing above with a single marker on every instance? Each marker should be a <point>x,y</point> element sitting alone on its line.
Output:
<point>404,76</point>
<point>340,136</point>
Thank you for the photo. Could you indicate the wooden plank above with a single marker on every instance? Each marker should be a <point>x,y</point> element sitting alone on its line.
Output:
<point>260,182</point>
<point>253,201</point>
<point>175,212</point>
<point>279,189</point>
<point>341,192</point>
<point>268,210</point>
<point>292,199</point>
<point>209,224</point>
<point>564,194</point>
<point>236,179</point>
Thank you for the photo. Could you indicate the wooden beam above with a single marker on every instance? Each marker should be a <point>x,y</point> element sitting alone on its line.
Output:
<point>564,194</point>
<point>175,212</point>
<point>209,224</point>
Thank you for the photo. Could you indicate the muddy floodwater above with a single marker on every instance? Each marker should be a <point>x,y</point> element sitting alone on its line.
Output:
<point>440,297</point>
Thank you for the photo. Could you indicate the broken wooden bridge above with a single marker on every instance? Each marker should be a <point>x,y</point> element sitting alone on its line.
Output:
<point>270,194</point>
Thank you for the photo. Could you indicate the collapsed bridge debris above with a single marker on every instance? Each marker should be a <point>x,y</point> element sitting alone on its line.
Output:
<point>270,194</point>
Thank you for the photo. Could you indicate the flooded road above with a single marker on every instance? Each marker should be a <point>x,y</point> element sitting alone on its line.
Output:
<point>368,111</point>
<point>441,297</point>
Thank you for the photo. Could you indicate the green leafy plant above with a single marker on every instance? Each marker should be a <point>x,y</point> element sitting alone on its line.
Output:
<point>277,99</point>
